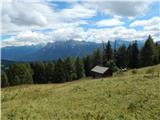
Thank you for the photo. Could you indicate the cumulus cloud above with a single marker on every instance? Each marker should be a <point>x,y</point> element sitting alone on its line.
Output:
<point>105,34</point>
<point>21,17</point>
<point>109,22</point>
<point>27,38</point>
<point>78,33</point>
<point>77,11</point>
<point>121,8</point>
<point>149,22</point>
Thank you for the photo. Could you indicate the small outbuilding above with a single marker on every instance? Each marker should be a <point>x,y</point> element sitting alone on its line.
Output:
<point>99,71</point>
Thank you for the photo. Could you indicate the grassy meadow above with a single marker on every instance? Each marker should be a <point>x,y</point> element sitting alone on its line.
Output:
<point>132,95</point>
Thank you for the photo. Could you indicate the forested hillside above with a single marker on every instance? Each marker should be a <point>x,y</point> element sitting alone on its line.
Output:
<point>69,69</point>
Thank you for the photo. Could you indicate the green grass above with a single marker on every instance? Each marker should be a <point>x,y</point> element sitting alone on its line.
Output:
<point>133,95</point>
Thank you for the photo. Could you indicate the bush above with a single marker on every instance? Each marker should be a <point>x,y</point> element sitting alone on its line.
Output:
<point>4,79</point>
<point>131,106</point>
<point>134,71</point>
<point>112,65</point>
<point>150,71</point>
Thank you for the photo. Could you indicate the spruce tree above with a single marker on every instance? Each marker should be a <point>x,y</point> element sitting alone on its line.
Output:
<point>59,72</point>
<point>87,65</point>
<point>19,73</point>
<point>135,55</point>
<point>148,52</point>
<point>69,69</point>
<point>4,79</point>
<point>129,56</point>
<point>121,59</point>
<point>79,67</point>
<point>108,53</point>
<point>39,72</point>
<point>49,72</point>
<point>157,54</point>
<point>97,57</point>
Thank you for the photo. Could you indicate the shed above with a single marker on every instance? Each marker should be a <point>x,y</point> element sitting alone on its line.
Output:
<point>99,71</point>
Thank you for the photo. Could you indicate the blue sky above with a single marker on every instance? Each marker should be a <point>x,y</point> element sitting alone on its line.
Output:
<point>42,21</point>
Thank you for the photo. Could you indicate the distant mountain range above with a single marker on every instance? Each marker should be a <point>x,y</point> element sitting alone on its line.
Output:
<point>17,52</point>
<point>55,50</point>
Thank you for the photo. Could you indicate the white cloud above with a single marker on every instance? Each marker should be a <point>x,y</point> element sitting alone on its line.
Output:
<point>27,38</point>
<point>78,33</point>
<point>19,16</point>
<point>24,15</point>
<point>149,22</point>
<point>120,8</point>
<point>77,11</point>
<point>109,22</point>
<point>69,33</point>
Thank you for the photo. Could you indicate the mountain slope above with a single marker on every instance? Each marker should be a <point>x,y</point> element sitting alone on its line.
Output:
<point>125,96</point>
<point>17,52</point>
<point>58,49</point>
<point>62,49</point>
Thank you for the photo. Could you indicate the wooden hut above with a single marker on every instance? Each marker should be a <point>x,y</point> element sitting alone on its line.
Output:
<point>99,71</point>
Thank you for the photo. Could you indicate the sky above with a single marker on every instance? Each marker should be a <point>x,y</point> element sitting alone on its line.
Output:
<point>31,22</point>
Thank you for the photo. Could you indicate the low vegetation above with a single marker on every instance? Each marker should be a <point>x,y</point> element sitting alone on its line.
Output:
<point>132,95</point>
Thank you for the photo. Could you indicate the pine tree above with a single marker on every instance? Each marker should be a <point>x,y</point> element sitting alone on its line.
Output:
<point>148,52</point>
<point>39,72</point>
<point>158,50</point>
<point>97,57</point>
<point>59,72</point>
<point>69,69</point>
<point>4,79</point>
<point>129,56</point>
<point>108,53</point>
<point>49,72</point>
<point>135,55</point>
<point>19,73</point>
<point>87,65</point>
<point>79,67</point>
<point>157,54</point>
<point>121,59</point>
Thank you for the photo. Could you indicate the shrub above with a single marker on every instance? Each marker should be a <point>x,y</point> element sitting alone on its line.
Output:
<point>131,106</point>
<point>150,71</point>
<point>134,71</point>
<point>4,79</point>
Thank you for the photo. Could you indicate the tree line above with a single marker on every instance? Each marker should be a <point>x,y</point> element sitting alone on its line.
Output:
<point>69,69</point>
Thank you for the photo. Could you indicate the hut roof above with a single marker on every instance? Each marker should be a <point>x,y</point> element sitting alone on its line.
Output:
<point>99,69</point>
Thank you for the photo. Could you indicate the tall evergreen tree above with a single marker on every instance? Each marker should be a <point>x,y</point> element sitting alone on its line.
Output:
<point>39,72</point>
<point>97,57</point>
<point>49,72</point>
<point>4,79</point>
<point>69,69</point>
<point>19,73</point>
<point>87,65</point>
<point>158,47</point>
<point>121,59</point>
<point>148,52</point>
<point>135,55</point>
<point>59,72</point>
<point>79,67</point>
<point>108,53</point>
<point>129,56</point>
<point>157,54</point>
